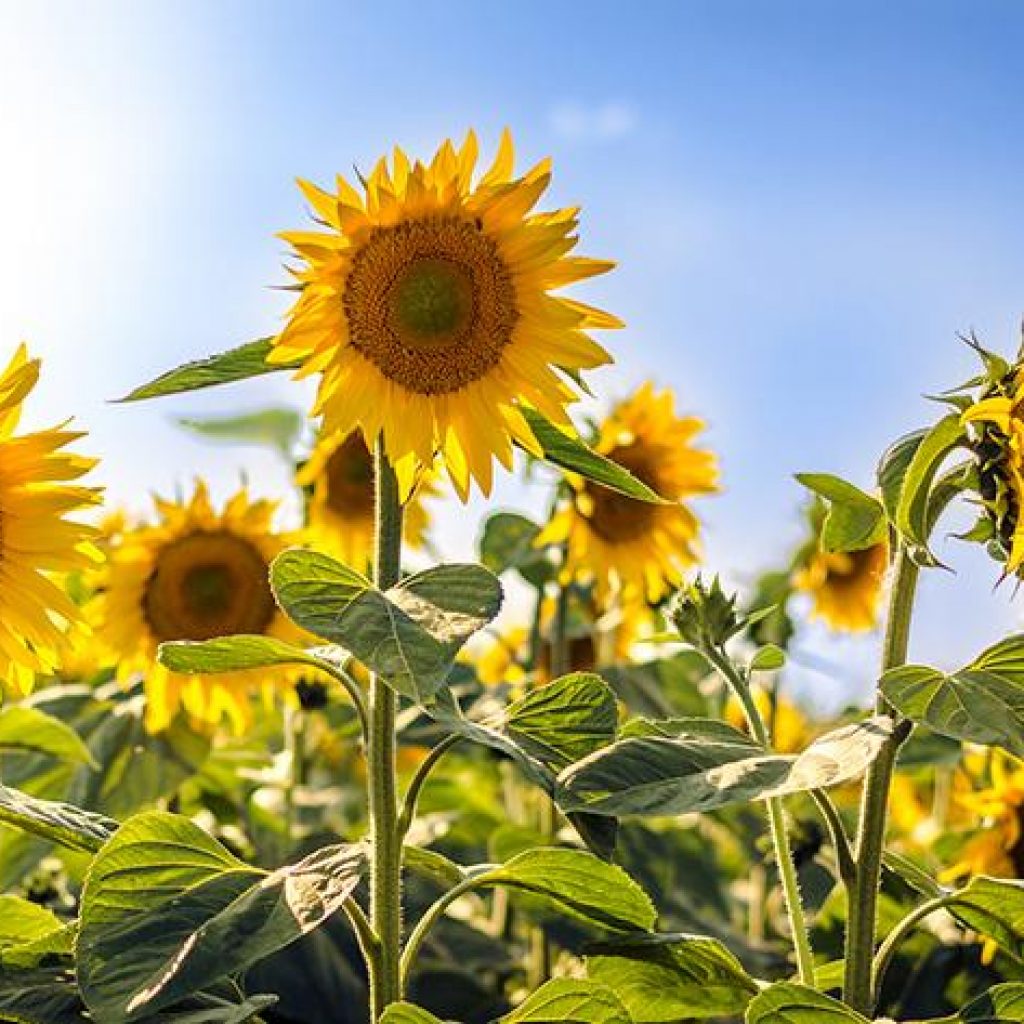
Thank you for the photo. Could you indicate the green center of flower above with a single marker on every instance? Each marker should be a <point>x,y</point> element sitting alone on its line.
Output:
<point>432,301</point>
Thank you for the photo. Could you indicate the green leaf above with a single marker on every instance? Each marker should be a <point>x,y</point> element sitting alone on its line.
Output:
<point>45,996</point>
<point>406,1013</point>
<point>570,1001</point>
<point>576,884</point>
<point>854,521</point>
<point>1001,1004</point>
<point>236,364</point>
<point>22,921</point>
<point>564,721</point>
<point>58,943</point>
<point>892,468</point>
<point>660,776</point>
<point>672,977</point>
<point>912,510</point>
<point>981,703</point>
<point>571,454</point>
<point>789,1003</point>
<point>410,634</point>
<point>278,428</point>
<point>61,823</point>
<point>232,654</point>
<point>508,543</point>
<point>24,728</point>
<point>995,908</point>
<point>166,910</point>
<point>768,659</point>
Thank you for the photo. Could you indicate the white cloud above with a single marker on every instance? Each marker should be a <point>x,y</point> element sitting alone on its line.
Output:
<point>581,123</point>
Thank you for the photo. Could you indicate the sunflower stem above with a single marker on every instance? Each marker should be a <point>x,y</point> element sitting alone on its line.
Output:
<point>776,821</point>
<point>386,863</point>
<point>862,905</point>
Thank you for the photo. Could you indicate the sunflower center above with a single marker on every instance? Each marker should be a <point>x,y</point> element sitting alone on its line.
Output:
<point>615,517</point>
<point>207,585</point>
<point>349,476</point>
<point>431,303</point>
<point>854,569</point>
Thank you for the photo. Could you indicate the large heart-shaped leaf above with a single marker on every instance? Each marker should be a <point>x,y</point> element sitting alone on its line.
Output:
<point>672,977</point>
<point>166,910</point>
<point>662,776</point>
<point>981,703</point>
<point>409,634</point>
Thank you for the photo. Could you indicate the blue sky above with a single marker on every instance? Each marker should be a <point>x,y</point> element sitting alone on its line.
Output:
<point>807,201</point>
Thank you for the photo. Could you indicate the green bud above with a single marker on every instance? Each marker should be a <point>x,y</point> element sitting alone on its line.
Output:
<point>703,615</point>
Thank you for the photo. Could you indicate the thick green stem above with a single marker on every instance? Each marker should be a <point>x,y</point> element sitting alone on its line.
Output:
<point>862,905</point>
<point>776,824</point>
<point>386,864</point>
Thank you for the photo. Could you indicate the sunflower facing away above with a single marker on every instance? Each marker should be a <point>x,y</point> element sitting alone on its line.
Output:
<point>845,587</point>
<point>194,575</point>
<point>426,305</point>
<point>341,507</point>
<point>998,419</point>
<point>38,542</point>
<point>619,542</point>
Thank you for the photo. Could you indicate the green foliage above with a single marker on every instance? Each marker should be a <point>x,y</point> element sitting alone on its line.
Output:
<point>509,542</point>
<point>60,823</point>
<point>167,910</point>
<point>981,703</point>
<point>409,634</point>
<point>854,520</point>
<point>789,1003</point>
<point>278,428</point>
<point>25,728</point>
<point>570,1001</point>
<point>656,775</point>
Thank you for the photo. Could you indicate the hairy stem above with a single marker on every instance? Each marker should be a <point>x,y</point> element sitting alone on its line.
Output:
<point>776,823</point>
<point>862,906</point>
<point>386,863</point>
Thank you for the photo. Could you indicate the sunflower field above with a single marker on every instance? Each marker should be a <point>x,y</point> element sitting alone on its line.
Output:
<point>294,769</point>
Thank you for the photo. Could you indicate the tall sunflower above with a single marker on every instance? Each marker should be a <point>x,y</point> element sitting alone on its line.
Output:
<point>636,546</point>
<point>426,305</point>
<point>38,543</point>
<point>195,574</point>
<point>341,506</point>
<point>845,587</point>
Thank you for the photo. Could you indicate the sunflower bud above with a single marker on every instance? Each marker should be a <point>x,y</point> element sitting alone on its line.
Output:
<point>703,615</point>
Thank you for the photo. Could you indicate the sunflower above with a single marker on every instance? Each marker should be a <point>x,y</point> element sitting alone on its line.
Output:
<point>426,305</point>
<point>634,546</point>
<point>845,587</point>
<point>341,507</point>
<point>196,574</point>
<point>790,727</point>
<point>39,545</point>
<point>998,436</point>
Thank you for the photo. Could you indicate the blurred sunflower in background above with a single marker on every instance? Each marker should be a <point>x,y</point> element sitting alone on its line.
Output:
<point>341,506</point>
<point>625,545</point>
<point>426,305</point>
<point>845,587</point>
<point>39,545</point>
<point>790,727</point>
<point>195,574</point>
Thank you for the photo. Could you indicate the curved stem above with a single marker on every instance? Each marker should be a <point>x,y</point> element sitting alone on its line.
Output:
<point>386,863</point>
<point>369,944</point>
<point>353,690</point>
<point>837,834</point>
<point>430,917</point>
<point>412,794</point>
<point>888,948</point>
<point>776,822</point>
<point>862,905</point>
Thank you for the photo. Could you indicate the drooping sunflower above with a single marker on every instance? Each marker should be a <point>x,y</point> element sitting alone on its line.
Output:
<point>39,544</point>
<point>845,587</point>
<point>624,544</point>
<point>195,574</point>
<point>427,307</point>
<point>341,507</point>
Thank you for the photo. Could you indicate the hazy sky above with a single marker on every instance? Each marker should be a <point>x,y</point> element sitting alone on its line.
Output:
<point>808,201</point>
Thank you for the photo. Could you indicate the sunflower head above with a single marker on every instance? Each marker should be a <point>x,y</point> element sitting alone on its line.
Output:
<point>195,574</point>
<point>339,477</point>
<point>618,542</point>
<point>427,304</point>
<point>40,546</point>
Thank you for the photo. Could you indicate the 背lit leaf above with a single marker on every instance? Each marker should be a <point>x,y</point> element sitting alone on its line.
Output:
<point>28,729</point>
<point>789,1003</point>
<point>854,520</point>
<point>570,1001</point>
<point>277,428</point>
<point>231,654</point>
<point>508,542</point>
<point>59,822</point>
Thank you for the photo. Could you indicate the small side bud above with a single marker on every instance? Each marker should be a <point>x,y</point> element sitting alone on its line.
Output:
<point>703,615</point>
